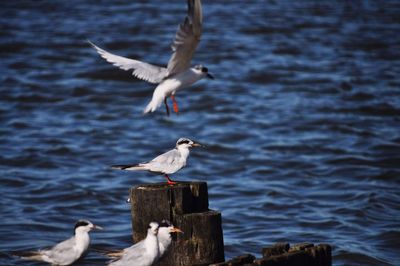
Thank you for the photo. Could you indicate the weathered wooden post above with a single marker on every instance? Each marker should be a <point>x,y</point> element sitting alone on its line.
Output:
<point>186,206</point>
<point>281,254</point>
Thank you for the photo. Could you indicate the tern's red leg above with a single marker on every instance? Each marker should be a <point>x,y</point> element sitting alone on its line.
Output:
<point>166,105</point>
<point>176,109</point>
<point>169,181</point>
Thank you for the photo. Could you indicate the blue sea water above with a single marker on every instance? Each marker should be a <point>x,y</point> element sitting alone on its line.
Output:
<point>302,123</point>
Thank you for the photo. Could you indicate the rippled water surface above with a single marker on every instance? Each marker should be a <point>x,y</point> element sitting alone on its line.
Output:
<point>302,123</point>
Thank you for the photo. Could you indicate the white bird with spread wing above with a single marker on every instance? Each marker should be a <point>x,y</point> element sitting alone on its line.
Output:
<point>178,74</point>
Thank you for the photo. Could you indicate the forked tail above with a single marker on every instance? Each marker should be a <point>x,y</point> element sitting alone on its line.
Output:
<point>109,253</point>
<point>156,100</point>
<point>153,105</point>
<point>128,167</point>
<point>28,255</point>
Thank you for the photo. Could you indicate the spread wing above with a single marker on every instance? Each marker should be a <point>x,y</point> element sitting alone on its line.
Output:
<point>141,70</point>
<point>186,39</point>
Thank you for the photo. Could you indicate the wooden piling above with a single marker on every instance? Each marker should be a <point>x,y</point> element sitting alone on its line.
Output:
<point>281,254</point>
<point>186,206</point>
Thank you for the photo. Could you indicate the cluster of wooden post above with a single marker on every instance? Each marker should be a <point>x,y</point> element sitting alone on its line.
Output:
<point>282,254</point>
<point>186,206</point>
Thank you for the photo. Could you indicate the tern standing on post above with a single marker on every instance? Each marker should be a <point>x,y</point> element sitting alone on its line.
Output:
<point>167,163</point>
<point>178,74</point>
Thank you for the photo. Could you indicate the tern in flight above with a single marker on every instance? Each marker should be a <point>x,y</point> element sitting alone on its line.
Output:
<point>178,74</point>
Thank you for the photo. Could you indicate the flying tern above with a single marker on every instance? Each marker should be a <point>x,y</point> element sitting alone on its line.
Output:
<point>68,251</point>
<point>166,163</point>
<point>143,253</point>
<point>178,74</point>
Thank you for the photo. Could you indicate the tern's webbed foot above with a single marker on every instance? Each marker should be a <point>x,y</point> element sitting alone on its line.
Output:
<point>170,181</point>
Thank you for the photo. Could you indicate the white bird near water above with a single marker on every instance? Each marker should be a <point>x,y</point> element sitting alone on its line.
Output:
<point>166,163</point>
<point>68,251</point>
<point>164,237</point>
<point>178,74</point>
<point>143,253</point>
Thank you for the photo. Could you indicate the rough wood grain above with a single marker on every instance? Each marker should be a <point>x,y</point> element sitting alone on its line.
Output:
<point>186,206</point>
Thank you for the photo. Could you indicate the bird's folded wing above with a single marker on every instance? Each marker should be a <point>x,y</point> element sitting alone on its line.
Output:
<point>131,253</point>
<point>186,39</point>
<point>141,70</point>
<point>166,158</point>
<point>63,246</point>
<point>62,251</point>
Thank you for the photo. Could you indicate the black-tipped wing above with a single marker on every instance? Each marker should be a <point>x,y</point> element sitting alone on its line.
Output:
<point>186,39</point>
<point>141,70</point>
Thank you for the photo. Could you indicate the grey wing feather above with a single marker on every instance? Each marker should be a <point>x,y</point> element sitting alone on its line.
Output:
<point>61,251</point>
<point>132,255</point>
<point>166,158</point>
<point>64,245</point>
<point>141,70</point>
<point>186,39</point>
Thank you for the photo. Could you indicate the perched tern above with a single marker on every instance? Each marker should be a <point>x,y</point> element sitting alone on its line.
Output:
<point>178,74</point>
<point>68,251</point>
<point>164,241</point>
<point>143,253</point>
<point>167,163</point>
<point>164,235</point>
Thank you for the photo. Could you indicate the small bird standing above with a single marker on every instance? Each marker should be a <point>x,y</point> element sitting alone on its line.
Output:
<point>143,253</point>
<point>164,241</point>
<point>166,163</point>
<point>178,74</point>
<point>164,235</point>
<point>68,251</point>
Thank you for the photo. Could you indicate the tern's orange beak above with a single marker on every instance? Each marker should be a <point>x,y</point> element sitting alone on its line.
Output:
<point>176,230</point>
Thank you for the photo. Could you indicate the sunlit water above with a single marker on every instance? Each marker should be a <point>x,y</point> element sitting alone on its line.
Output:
<point>302,123</point>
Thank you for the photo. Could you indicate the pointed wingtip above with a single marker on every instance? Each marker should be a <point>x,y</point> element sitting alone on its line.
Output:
<point>118,167</point>
<point>93,45</point>
<point>195,15</point>
<point>89,42</point>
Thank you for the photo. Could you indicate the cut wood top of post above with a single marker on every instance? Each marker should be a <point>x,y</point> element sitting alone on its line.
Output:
<point>184,197</point>
<point>164,185</point>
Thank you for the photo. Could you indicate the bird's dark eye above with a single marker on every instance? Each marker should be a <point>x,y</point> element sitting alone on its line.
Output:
<point>204,69</point>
